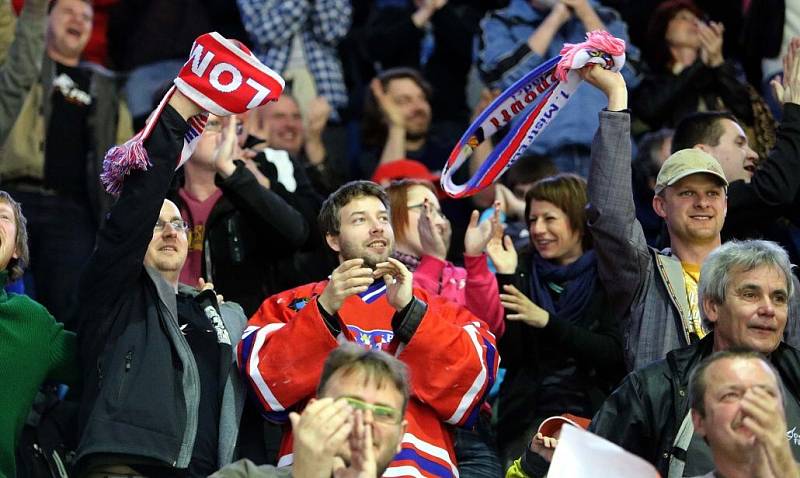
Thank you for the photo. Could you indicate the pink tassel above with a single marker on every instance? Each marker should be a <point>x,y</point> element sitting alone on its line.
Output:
<point>121,160</point>
<point>596,40</point>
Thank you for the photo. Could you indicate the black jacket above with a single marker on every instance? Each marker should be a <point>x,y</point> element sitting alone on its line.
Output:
<point>250,229</point>
<point>595,342</point>
<point>142,387</point>
<point>644,414</point>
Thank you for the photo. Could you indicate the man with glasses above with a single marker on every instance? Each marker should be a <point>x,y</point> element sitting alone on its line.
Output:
<point>162,394</point>
<point>353,426</point>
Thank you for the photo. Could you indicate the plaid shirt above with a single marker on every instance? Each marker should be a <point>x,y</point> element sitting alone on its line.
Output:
<point>272,24</point>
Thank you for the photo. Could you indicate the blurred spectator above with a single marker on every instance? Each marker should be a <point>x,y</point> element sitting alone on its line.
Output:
<point>742,283</point>
<point>436,38</point>
<point>239,227</point>
<point>397,120</point>
<point>423,237</point>
<point>653,150</point>
<point>298,39</point>
<point>362,399</point>
<point>21,51</point>
<point>562,348</point>
<point>737,407</point>
<point>149,40</point>
<point>769,27</point>
<point>54,153</point>
<point>369,299</point>
<point>517,39</point>
<point>661,312</point>
<point>162,395</point>
<point>311,143</point>
<point>34,347</point>
<point>687,69</point>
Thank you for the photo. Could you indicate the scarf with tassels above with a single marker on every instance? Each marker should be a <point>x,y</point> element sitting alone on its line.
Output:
<point>221,76</point>
<point>544,92</point>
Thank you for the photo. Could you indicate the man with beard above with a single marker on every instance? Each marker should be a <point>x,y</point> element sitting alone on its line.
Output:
<point>354,425</point>
<point>370,299</point>
<point>737,407</point>
<point>396,123</point>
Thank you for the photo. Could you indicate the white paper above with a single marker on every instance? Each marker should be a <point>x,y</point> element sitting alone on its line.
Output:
<point>582,454</point>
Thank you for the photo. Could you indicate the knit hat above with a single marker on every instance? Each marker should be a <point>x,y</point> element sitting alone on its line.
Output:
<point>221,76</point>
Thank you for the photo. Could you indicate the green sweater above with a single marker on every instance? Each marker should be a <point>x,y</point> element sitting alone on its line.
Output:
<point>33,348</point>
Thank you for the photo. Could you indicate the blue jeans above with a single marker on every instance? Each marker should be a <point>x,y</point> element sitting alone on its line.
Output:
<point>475,451</point>
<point>145,81</point>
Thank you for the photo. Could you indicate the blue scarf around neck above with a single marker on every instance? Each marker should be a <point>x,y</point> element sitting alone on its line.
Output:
<point>577,281</point>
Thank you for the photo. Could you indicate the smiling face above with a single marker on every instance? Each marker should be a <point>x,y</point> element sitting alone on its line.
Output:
<point>552,234</point>
<point>754,312</point>
<point>68,30</point>
<point>727,380</point>
<point>413,103</point>
<point>365,231</point>
<point>284,122</point>
<point>694,209</point>
<point>733,152</point>
<point>167,250</point>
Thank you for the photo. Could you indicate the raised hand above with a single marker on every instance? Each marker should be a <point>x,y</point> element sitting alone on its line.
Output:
<point>362,454</point>
<point>317,115</point>
<point>391,112</point>
<point>524,309</point>
<point>347,279</point>
<point>763,415</point>
<point>227,147</point>
<point>431,238</point>
<point>502,253</point>
<point>788,90</point>
<point>319,433</point>
<point>611,83</point>
<point>479,235</point>
<point>711,43</point>
<point>399,282</point>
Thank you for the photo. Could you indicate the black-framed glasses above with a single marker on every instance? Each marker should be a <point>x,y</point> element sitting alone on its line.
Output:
<point>177,224</point>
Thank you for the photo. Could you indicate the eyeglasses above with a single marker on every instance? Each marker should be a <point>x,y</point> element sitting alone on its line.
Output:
<point>380,413</point>
<point>420,208</point>
<point>177,224</point>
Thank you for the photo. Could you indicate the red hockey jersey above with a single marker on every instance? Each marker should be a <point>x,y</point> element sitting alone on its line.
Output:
<point>452,362</point>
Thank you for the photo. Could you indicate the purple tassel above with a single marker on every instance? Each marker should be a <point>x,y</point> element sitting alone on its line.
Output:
<point>121,160</point>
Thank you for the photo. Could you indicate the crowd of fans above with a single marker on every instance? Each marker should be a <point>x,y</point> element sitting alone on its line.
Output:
<point>632,268</point>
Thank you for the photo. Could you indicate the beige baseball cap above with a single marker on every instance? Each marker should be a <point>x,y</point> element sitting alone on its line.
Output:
<point>687,162</point>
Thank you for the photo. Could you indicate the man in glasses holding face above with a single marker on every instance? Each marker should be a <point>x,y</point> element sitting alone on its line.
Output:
<point>353,427</point>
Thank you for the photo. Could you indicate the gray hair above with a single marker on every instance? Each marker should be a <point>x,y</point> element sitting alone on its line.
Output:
<point>739,256</point>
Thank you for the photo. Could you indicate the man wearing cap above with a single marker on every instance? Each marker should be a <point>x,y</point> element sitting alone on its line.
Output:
<point>653,292</point>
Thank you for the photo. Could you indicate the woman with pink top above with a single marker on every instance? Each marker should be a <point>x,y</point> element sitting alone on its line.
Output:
<point>422,235</point>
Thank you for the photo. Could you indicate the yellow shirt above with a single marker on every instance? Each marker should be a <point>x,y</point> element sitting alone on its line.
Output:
<point>691,276</point>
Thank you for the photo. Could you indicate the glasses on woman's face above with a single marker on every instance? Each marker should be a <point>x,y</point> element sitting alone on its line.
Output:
<point>380,413</point>
<point>420,208</point>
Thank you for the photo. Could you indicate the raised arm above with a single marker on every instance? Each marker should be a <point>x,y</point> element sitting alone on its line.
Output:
<point>623,258</point>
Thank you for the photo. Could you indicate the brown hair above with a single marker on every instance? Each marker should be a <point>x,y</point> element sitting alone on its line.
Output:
<point>329,220</point>
<point>566,191</point>
<point>373,124</point>
<point>16,266</point>
<point>375,366</point>
<point>657,51</point>
<point>398,203</point>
